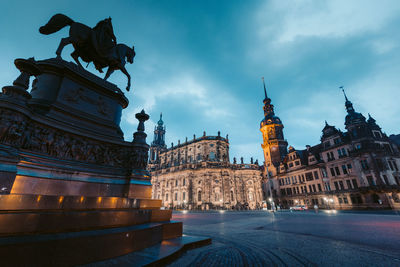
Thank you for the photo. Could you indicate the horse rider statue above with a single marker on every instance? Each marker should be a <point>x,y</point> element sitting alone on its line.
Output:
<point>97,45</point>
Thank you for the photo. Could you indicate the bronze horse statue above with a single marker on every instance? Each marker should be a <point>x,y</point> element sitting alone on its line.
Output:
<point>97,45</point>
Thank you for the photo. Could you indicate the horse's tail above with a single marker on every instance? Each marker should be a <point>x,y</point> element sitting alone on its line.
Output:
<point>56,23</point>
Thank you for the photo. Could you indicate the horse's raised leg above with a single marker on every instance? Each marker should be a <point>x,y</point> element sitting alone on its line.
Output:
<point>64,42</point>
<point>128,76</point>
<point>75,56</point>
<point>109,72</point>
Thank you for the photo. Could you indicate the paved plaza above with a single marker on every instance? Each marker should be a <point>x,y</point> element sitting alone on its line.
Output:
<point>260,238</point>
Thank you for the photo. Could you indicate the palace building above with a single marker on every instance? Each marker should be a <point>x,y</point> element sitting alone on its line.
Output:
<point>197,174</point>
<point>354,169</point>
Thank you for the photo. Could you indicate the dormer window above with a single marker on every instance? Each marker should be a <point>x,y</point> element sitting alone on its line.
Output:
<point>377,134</point>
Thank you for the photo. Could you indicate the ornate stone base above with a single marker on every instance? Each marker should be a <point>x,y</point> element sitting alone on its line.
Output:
<point>63,231</point>
<point>72,191</point>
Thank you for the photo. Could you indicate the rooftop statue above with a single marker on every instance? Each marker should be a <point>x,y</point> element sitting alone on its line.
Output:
<point>97,45</point>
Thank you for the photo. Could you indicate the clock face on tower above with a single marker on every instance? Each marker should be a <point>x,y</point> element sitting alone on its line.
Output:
<point>271,133</point>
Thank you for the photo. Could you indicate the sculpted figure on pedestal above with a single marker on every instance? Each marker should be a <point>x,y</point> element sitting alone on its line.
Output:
<point>17,132</point>
<point>12,128</point>
<point>5,125</point>
<point>14,134</point>
<point>97,45</point>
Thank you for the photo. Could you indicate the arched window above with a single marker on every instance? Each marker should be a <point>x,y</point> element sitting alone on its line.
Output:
<point>212,156</point>
<point>199,196</point>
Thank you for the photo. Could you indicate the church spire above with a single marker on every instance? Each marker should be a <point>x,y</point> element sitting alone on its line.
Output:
<point>274,144</point>
<point>160,121</point>
<point>344,93</point>
<point>265,90</point>
<point>268,107</point>
<point>348,104</point>
<point>159,133</point>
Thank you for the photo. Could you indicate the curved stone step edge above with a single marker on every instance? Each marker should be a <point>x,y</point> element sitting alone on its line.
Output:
<point>158,255</point>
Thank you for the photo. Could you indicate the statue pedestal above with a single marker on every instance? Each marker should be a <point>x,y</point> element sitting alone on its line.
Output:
<point>72,191</point>
<point>76,99</point>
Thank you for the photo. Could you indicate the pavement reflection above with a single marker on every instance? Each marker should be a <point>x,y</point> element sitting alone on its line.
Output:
<point>293,238</point>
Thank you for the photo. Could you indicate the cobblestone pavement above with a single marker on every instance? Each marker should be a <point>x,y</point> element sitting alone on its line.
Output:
<point>292,239</point>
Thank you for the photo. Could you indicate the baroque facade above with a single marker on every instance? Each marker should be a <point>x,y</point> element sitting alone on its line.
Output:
<point>355,169</point>
<point>197,174</point>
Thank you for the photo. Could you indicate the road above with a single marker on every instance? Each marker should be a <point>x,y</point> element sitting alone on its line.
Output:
<point>303,238</point>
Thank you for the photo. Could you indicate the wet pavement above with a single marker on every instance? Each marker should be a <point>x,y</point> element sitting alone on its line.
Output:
<point>304,238</point>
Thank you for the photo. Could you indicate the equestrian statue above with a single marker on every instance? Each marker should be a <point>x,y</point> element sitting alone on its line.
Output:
<point>97,45</point>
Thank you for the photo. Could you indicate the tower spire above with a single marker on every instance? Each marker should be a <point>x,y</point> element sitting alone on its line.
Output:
<point>265,90</point>
<point>348,104</point>
<point>344,93</point>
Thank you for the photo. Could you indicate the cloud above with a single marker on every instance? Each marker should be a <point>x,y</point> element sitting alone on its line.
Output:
<point>329,19</point>
<point>307,49</point>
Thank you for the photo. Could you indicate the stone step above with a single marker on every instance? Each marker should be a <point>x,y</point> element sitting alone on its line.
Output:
<point>45,202</point>
<point>157,255</point>
<point>39,222</point>
<point>73,248</point>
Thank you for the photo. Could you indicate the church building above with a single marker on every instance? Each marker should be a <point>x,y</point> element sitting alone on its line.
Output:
<point>197,174</point>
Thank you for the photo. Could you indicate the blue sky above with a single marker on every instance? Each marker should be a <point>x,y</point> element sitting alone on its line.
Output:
<point>200,63</point>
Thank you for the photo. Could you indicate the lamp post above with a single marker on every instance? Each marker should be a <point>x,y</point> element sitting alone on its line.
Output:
<point>326,202</point>
<point>331,201</point>
<point>271,200</point>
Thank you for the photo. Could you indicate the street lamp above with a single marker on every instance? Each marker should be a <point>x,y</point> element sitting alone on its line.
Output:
<point>271,200</point>
<point>326,202</point>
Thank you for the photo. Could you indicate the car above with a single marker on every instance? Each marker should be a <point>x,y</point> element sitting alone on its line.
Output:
<point>298,207</point>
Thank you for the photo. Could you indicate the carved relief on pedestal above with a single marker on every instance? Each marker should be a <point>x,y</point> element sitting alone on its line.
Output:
<point>18,131</point>
<point>12,127</point>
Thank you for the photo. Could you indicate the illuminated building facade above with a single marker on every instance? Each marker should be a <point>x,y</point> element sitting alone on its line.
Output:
<point>355,169</point>
<point>197,174</point>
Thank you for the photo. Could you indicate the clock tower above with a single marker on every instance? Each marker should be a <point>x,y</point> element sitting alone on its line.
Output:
<point>274,144</point>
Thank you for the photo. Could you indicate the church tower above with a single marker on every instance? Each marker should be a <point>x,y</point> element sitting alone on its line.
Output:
<point>158,143</point>
<point>274,144</point>
<point>355,122</point>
